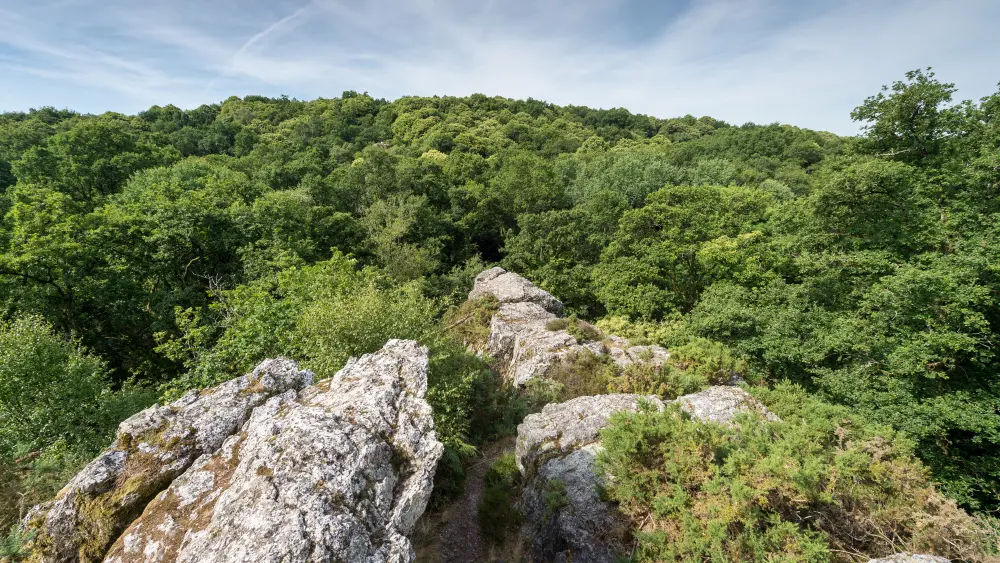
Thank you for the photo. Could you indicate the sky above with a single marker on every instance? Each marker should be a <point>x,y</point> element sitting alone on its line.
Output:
<point>802,62</point>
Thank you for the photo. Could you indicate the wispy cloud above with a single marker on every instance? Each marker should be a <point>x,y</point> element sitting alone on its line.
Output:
<point>738,60</point>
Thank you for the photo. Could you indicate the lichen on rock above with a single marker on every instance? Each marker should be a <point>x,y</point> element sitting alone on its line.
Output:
<point>340,471</point>
<point>150,450</point>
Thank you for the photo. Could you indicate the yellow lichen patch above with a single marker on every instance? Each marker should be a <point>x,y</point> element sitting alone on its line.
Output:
<point>164,523</point>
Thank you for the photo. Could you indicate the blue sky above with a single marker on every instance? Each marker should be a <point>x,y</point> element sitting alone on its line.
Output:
<point>804,62</point>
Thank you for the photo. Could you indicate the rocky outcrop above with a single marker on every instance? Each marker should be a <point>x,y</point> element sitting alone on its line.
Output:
<point>337,471</point>
<point>556,452</point>
<point>526,341</point>
<point>721,404</point>
<point>909,558</point>
<point>508,287</point>
<point>150,450</point>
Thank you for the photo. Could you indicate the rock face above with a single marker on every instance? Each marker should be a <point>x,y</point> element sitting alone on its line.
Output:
<point>150,450</point>
<point>909,558</point>
<point>556,453</point>
<point>522,338</point>
<point>509,287</point>
<point>721,404</point>
<point>339,471</point>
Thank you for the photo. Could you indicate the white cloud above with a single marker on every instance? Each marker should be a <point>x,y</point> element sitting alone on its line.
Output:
<point>746,60</point>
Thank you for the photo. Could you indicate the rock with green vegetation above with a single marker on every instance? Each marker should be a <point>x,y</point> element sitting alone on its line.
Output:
<point>624,353</point>
<point>523,345</point>
<point>556,452</point>
<point>150,450</point>
<point>528,335</point>
<point>722,404</point>
<point>340,471</point>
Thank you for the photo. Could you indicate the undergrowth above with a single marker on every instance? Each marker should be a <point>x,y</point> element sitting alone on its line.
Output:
<point>498,513</point>
<point>820,486</point>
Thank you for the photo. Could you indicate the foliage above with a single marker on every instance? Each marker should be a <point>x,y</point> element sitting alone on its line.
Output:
<point>582,331</point>
<point>470,321</point>
<point>180,247</point>
<point>498,513</point>
<point>57,409</point>
<point>819,486</point>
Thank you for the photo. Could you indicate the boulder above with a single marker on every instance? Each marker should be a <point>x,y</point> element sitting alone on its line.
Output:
<point>556,452</point>
<point>508,287</point>
<point>721,404</point>
<point>150,450</point>
<point>625,354</point>
<point>338,472</point>
<point>910,558</point>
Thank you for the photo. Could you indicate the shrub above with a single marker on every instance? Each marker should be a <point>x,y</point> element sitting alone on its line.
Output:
<point>498,513</point>
<point>57,410</point>
<point>582,373</point>
<point>470,321</point>
<point>649,379</point>
<point>709,360</point>
<point>581,330</point>
<point>820,485</point>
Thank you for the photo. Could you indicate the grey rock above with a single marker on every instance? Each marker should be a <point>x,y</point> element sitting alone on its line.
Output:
<point>564,427</point>
<point>721,404</point>
<point>509,287</point>
<point>150,449</point>
<point>340,471</point>
<point>910,558</point>
<point>525,348</point>
<point>556,450</point>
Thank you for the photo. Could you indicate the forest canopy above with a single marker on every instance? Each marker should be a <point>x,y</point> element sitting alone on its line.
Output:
<point>144,255</point>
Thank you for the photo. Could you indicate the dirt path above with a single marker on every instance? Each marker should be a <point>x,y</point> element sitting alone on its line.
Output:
<point>453,534</point>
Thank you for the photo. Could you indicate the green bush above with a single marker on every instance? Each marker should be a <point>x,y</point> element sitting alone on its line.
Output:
<point>819,486</point>
<point>665,381</point>
<point>581,330</point>
<point>498,513</point>
<point>57,410</point>
<point>582,373</point>
<point>470,321</point>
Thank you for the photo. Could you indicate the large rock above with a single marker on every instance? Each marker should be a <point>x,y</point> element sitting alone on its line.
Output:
<point>522,338</point>
<point>910,558</point>
<point>556,452</point>
<point>341,472</point>
<point>525,347</point>
<point>508,287</point>
<point>722,404</point>
<point>150,450</point>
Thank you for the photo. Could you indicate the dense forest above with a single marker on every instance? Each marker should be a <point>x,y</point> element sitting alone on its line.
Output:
<point>142,256</point>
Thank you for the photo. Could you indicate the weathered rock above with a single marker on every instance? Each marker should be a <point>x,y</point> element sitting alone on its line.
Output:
<point>721,404</point>
<point>509,287</point>
<point>556,451</point>
<point>564,427</point>
<point>524,345</point>
<point>910,558</point>
<point>151,449</point>
<point>340,472</point>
